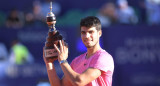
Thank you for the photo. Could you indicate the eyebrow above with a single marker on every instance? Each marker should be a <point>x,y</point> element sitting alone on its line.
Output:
<point>87,31</point>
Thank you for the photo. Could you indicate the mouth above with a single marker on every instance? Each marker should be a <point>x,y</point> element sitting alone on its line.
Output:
<point>87,41</point>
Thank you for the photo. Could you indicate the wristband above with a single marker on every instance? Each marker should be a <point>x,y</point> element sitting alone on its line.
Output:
<point>63,61</point>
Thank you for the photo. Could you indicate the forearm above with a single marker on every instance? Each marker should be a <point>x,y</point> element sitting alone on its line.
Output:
<point>70,74</point>
<point>52,75</point>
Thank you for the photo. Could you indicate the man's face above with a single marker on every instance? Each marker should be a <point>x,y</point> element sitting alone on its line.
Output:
<point>90,36</point>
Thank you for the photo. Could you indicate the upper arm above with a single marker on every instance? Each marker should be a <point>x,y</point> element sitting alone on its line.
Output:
<point>89,75</point>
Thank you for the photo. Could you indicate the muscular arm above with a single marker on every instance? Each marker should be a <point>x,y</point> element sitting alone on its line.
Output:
<point>80,79</point>
<point>54,79</point>
<point>52,75</point>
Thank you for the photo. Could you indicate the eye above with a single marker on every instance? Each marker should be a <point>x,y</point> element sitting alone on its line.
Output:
<point>90,32</point>
<point>82,32</point>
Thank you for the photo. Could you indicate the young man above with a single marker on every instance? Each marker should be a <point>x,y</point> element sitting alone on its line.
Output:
<point>93,68</point>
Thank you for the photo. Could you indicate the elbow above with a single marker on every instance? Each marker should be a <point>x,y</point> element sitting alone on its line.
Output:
<point>78,82</point>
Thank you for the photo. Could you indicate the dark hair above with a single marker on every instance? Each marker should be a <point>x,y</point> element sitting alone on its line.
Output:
<point>91,21</point>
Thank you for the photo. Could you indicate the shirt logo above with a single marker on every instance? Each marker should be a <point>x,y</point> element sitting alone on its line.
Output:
<point>85,64</point>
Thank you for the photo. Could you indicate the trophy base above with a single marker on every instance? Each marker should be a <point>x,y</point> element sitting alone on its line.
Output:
<point>50,53</point>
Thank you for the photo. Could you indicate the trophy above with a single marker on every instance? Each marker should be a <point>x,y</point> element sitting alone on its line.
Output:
<point>53,36</point>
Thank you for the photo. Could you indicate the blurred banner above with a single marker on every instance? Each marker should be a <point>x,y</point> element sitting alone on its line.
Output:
<point>135,50</point>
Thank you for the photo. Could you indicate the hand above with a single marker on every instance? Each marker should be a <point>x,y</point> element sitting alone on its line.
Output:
<point>63,51</point>
<point>48,60</point>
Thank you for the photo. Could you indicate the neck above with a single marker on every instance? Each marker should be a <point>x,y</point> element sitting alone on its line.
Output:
<point>92,50</point>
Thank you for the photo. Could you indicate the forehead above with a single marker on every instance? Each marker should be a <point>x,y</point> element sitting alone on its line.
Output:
<point>83,28</point>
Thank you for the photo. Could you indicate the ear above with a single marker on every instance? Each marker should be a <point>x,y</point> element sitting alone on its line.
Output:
<point>100,33</point>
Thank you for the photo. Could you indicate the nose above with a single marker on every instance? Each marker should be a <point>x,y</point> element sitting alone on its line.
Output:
<point>87,35</point>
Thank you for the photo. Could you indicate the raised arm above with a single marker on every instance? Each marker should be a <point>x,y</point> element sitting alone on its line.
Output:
<point>74,78</point>
<point>52,75</point>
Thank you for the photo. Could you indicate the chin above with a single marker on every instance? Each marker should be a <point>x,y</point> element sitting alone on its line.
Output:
<point>88,46</point>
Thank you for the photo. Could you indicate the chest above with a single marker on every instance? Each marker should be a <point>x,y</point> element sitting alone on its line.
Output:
<point>81,65</point>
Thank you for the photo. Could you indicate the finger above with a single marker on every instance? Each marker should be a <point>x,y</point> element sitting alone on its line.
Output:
<point>56,48</point>
<point>66,48</point>
<point>63,43</point>
<point>61,46</point>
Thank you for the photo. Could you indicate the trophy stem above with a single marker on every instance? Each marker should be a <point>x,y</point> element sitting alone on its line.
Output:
<point>52,28</point>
